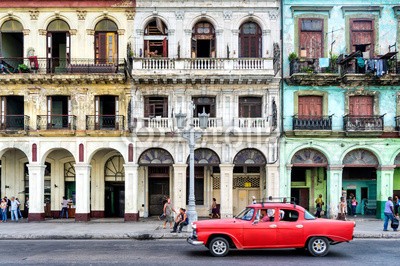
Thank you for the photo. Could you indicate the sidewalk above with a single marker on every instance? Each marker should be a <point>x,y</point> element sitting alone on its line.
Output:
<point>145,228</point>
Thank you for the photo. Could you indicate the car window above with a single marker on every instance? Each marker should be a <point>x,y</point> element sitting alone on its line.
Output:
<point>308,216</point>
<point>267,215</point>
<point>289,215</point>
<point>246,214</point>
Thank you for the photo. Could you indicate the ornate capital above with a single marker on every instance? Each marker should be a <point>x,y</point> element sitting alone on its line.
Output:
<point>338,167</point>
<point>81,14</point>
<point>387,167</point>
<point>90,32</point>
<point>179,15</point>
<point>219,32</point>
<point>42,32</point>
<point>26,31</point>
<point>266,32</point>
<point>188,32</point>
<point>171,32</point>
<point>121,32</point>
<point>227,15</point>
<point>273,14</point>
<point>73,31</point>
<point>235,32</point>
<point>130,14</point>
<point>139,32</point>
<point>34,14</point>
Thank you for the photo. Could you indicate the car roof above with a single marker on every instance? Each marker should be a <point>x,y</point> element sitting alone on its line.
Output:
<point>275,205</point>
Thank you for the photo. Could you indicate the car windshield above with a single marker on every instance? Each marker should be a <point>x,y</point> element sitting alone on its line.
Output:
<point>308,216</point>
<point>246,214</point>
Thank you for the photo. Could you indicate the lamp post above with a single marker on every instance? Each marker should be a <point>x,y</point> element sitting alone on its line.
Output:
<point>191,135</point>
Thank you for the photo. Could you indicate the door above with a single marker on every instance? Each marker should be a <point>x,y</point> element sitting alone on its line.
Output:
<point>361,105</point>
<point>259,234</point>
<point>310,106</point>
<point>250,107</point>
<point>362,33</point>
<point>250,40</point>
<point>114,205</point>
<point>302,196</point>
<point>106,47</point>
<point>311,37</point>
<point>158,188</point>
<point>290,231</point>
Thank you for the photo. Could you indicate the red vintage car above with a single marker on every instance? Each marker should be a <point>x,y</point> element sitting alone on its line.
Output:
<point>271,226</point>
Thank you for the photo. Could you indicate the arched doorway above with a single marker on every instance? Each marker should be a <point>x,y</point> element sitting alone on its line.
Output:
<point>11,44</point>
<point>250,40</point>
<point>158,164</point>
<point>114,178</point>
<point>58,46</point>
<point>156,39</point>
<point>248,177</point>
<point>106,42</point>
<point>206,172</point>
<point>203,40</point>
<point>359,179</point>
<point>308,177</point>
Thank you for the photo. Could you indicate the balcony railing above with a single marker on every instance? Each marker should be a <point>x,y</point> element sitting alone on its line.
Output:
<point>380,66</point>
<point>105,122</point>
<point>312,122</point>
<point>46,122</point>
<point>54,65</point>
<point>363,123</point>
<point>213,122</point>
<point>252,122</point>
<point>14,122</point>
<point>312,65</point>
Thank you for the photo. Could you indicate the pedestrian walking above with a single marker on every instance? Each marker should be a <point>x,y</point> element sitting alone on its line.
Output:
<point>354,204</point>
<point>64,209</point>
<point>19,209</point>
<point>319,203</point>
<point>26,207</point>
<point>396,205</point>
<point>214,209</point>
<point>167,211</point>
<point>8,206</point>
<point>14,209</point>
<point>342,209</point>
<point>389,214</point>
<point>3,207</point>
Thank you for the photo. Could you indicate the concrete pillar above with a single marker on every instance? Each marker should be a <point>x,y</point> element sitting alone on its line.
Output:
<point>226,208</point>
<point>36,192</point>
<point>272,178</point>
<point>179,191</point>
<point>285,182</point>
<point>384,187</point>
<point>82,177</point>
<point>333,189</point>
<point>131,192</point>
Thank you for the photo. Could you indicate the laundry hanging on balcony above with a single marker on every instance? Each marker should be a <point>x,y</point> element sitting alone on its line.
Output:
<point>324,62</point>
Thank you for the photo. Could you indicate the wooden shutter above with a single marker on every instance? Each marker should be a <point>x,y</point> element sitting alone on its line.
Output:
<point>194,47</point>
<point>310,106</point>
<point>3,109</point>
<point>101,48</point>
<point>311,37</point>
<point>1,45</point>
<point>146,107</point>
<point>165,107</point>
<point>68,47</point>
<point>49,51</point>
<point>165,47</point>
<point>49,111</point>
<point>250,41</point>
<point>362,32</point>
<point>361,105</point>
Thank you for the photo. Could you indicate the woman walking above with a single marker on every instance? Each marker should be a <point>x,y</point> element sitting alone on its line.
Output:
<point>3,207</point>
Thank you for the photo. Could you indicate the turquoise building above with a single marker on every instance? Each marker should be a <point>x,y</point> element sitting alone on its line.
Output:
<point>341,103</point>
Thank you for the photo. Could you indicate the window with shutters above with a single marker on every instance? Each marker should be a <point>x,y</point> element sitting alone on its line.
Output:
<point>250,107</point>
<point>106,42</point>
<point>311,37</point>
<point>156,39</point>
<point>203,40</point>
<point>362,35</point>
<point>361,105</point>
<point>155,107</point>
<point>250,42</point>
<point>206,104</point>
<point>310,106</point>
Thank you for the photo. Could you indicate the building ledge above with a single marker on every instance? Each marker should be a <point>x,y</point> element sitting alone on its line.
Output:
<point>306,79</point>
<point>364,133</point>
<point>314,133</point>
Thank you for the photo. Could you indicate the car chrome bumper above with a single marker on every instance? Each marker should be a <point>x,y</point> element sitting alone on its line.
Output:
<point>194,242</point>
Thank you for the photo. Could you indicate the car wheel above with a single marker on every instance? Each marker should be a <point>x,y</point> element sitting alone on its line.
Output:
<point>218,247</point>
<point>318,246</point>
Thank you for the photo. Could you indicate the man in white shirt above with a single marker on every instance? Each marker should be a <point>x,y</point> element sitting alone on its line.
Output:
<point>14,209</point>
<point>64,205</point>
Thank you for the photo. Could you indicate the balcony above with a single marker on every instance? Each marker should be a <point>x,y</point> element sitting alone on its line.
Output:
<point>312,122</point>
<point>105,122</point>
<point>56,122</point>
<point>213,122</point>
<point>14,123</point>
<point>197,70</point>
<point>363,125</point>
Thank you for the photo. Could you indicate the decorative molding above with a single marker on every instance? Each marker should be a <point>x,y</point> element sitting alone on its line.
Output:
<point>139,32</point>
<point>396,10</point>
<point>121,32</point>
<point>311,8</point>
<point>188,32</point>
<point>130,14</point>
<point>42,32</point>
<point>266,32</point>
<point>227,14</point>
<point>338,167</point>
<point>273,14</point>
<point>34,14</point>
<point>90,32</point>
<point>219,32</point>
<point>171,32</point>
<point>387,167</point>
<point>81,14</point>
<point>235,32</point>
<point>179,15</point>
<point>366,8</point>
<point>309,157</point>
<point>26,32</point>
<point>203,12</point>
<point>73,31</point>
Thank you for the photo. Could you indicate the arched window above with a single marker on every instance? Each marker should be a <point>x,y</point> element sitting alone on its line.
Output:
<point>156,39</point>
<point>58,45</point>
<point>203,40</point>
<point>106,42</point>
<point>250,41</point>
<point>11,43</point>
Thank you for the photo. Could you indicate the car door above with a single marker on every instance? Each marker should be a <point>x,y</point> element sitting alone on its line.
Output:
<point>258,234</point>
<point>290,231</point>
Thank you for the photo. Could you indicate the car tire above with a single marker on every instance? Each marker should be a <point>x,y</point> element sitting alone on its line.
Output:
<point>219,247</point>
<point>318,246</point>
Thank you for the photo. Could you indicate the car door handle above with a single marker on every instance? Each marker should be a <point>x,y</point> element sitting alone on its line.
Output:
<point>299,226</point>
<point>272,226</point>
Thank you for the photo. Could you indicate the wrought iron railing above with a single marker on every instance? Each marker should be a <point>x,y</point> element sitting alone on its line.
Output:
<point>105,122</point>
<point>312,65</point>
<point>363,123</point>
<point>14,122</point>
<point>44,122</point>
<point>355,64</point>
<point>33,64</point>
<point>312,122</point>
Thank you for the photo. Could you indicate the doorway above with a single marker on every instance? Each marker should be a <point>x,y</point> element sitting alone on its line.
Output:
<point>114,204</point>
<point>158,188</point>
<point>302,196</point>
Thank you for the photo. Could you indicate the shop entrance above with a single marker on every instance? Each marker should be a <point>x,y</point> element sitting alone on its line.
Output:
<point>158,188</point>
<point>302,196</point>
<point>114,199</point>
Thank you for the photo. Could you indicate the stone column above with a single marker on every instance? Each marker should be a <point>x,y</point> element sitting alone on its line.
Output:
<point>131,192</point>
<point>286,182</point>
<point>82,179</point>
<point>333,189</point>
<point>226,208</point>
<point>272,179</point>
<point>36,192</point>
<point>384,188</point>
<point>179,191</point>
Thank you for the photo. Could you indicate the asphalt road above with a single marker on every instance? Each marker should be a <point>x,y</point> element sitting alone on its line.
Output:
<point>178,252</point>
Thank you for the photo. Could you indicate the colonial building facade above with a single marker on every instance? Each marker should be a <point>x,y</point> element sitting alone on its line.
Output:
<point>341,103</point>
